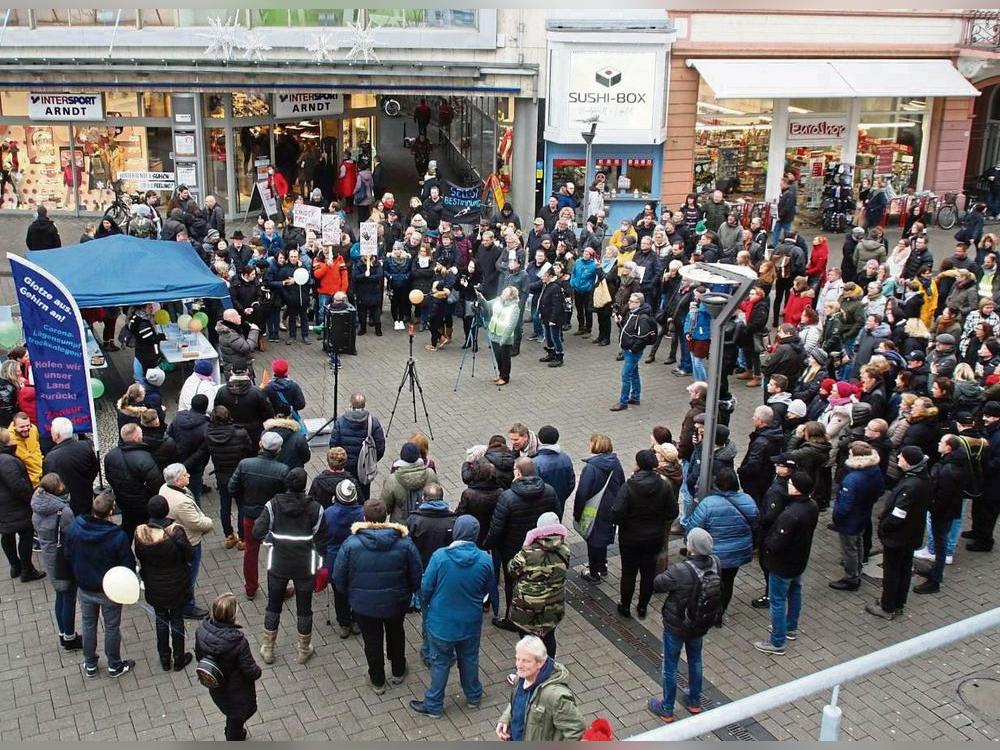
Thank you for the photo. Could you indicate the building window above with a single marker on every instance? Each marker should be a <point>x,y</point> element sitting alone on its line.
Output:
<point>269,17</point>
<point>251,104</point>
<point>322,17</point>
<point>121,104</point>
<point>14,103</point>
<point>200,16</point>
<point>215,105</point>
<point>158,17</point>
<point>15,17</point>
<point>88,17</point>
<point>38,151</point>
<point>889,146</point>
<point>435,18</point>
<point>155,105</point>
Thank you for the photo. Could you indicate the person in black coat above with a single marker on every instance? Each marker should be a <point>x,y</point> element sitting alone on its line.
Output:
<point>15,512</point>
<point>848,267</point>
<point>42,233</point>
<point>247,404</point>
<point>295,451</point>
<point>952,476</point>
<point>134,477</point>
<point>516,514</point>
<point>367,275</point>
<point>553,314</point>
<point>76,464</point>
<point>324,485</point>
<point>164,553</point>
<point>188,431</point>
<point>601,480</point>
<point>775,500</point>
<point>500,455</point>
<point>901,529</point>
<point>766,441</point>
<point>480,497</point>
<point>873,392</point>
<point>220,639</point>
<point>645,507</point>
<point>226,444</point>
<point>788,358</point>
<point>430,523</point>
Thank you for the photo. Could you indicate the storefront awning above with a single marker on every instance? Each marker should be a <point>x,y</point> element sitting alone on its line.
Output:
<point>794,79</point>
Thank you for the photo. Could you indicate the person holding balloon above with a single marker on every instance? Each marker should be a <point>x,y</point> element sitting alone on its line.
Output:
<point>294,277</point>
<point>98,551</point>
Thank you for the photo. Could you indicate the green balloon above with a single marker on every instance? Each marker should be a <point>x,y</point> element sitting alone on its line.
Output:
<point>202,317</point>
<point>96,387</point>
<point>10,334</point>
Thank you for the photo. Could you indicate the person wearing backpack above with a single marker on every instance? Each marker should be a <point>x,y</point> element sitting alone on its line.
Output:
<point>360,433</point>
<point>692,606</point>
<point>403,489</point>
<point>789,261</point>
<point>786,552</point>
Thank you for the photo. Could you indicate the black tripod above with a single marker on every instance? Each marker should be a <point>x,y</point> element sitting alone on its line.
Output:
<point>472,342</point>
<point>410,374</point>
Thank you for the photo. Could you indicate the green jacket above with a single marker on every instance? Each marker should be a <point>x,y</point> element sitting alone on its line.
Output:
<point>552,714</point>
<point>402,491</point>
<point>539,575</point>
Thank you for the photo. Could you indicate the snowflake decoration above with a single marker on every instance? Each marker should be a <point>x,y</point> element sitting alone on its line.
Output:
<point>322,47</point>
<point>363,44</point>
<point>224,38</point>
<point>254,46</point>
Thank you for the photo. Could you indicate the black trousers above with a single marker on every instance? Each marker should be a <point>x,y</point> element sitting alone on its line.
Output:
<point>984,518</point>
<point>342,608</point>
<point>781,289</point>
<point>897,570</point>
<point>549,639</point>
<point>369,315</point>
<point>763,569</point>
<point>727,577</point>
<point>170,624</point>
<point>597,559</point>
<point>234,729</point>
<point>373,631</point>
<point>508,582</point>
<point>17,547</point>
<point>399,304</point>
<point>583,302</point>
<point>638,560</point>
<point>502,352</point>
<point>276,586</point>
<point>604,323</point>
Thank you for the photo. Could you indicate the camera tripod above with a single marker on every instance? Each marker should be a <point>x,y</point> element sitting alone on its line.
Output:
<point>410,375</point>
<point>472,343</point>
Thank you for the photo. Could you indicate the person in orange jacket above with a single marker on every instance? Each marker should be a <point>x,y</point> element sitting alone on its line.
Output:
<point>332,276</point>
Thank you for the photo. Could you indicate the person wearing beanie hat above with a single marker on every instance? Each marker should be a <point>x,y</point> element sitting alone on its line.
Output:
<point>643,510</point>
<point>403,489</point>
<point>155,377</point>
<point>188,430</point>
<point>697,577</point>
<point>901,527</point>
<point>785,553</point>
<point>339,516</point>
<point>201,381</point>
<point>554,466</point>
<point>281,389</point>
<point>457,579</point>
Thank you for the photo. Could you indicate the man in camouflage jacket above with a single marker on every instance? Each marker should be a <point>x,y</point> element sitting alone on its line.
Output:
<point>539,575</point>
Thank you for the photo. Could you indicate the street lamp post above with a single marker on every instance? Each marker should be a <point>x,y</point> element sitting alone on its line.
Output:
<point>588,179</point>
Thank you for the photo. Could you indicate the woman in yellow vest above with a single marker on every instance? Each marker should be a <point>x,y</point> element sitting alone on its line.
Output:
<point>502,314</point>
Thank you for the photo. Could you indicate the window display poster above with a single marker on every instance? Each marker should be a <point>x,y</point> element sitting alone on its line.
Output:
<point>883,158</point>
<point>307,217</point>
<point>369,238</point>
<point>184,144</point>
<point>187,174</point>
<point>331,229</point>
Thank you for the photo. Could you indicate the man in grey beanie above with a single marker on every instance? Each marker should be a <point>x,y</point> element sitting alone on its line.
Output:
<point>456,580</point>
<point>693,604</point>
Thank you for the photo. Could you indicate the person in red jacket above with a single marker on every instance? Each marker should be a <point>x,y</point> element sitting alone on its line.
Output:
<point>816,270</point>
<point>347,181</point>
<point>332,276</point>
<point>800,297</point>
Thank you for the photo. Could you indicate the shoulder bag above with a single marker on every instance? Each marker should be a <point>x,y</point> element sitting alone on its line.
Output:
<point>586,523</point>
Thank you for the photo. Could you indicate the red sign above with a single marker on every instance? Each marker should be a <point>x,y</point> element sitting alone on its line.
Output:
<point>568,163</point>
<point>883,159</point>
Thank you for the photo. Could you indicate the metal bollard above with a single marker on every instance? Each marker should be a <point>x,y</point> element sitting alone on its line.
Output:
<point>829,728</point>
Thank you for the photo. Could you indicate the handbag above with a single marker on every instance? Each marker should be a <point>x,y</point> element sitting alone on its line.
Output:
<point>602,296</point>
<point>586,523</point>
<point>209,673</point>
<point>62,571</point>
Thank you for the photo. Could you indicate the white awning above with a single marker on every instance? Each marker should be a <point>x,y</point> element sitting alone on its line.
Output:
<point>793,79</point>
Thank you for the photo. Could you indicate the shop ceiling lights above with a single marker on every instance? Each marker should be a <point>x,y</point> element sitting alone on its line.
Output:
<point>719,108</point>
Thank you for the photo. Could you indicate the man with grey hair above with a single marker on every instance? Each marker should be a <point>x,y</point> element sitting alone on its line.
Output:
<point>76,464</point>
<point>638,330</point>
<point>766,441</point>
<point>186,514</point>
<point>542,707</point>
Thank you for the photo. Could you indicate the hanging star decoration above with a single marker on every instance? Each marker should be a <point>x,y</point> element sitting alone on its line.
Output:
<point>254,46</point>
<point>363,44</point>
<point>223,39</point>
<point>322,47</point>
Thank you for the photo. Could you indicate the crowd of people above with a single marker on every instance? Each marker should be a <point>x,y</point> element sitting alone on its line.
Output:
<point>878,412</point>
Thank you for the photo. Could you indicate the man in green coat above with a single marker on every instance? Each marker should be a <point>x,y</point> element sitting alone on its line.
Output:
<point>542,708</point>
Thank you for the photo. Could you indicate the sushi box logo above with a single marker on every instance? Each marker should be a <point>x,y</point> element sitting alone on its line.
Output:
<point>609,77</point>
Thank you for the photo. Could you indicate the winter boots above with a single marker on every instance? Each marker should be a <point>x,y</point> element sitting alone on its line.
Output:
<point>304,648</point>
<point>557,360</point>
<point>268,637</point>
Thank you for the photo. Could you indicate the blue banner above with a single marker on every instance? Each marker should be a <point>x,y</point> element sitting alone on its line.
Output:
<point>462,205</point>
<point>56,341</point>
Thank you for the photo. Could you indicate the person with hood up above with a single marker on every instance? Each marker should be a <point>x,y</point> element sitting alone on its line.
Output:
<point>51,515</point>
<point>133,475</point>
<point>952,479</point>
<point>860,489</point>
<point>455,583</point>
<point>788,357</point>
<point>165,555</point>
<point>684,582</point>
<point>349,432</point>
<point>901,529</point>
<point>554,467</point>
<point>403,489</point>
<point>517,513</point>
<point>295,452</point>
<point>247,404</point>
<point>220,639</point>
<point>93,545</point>
<point>291,525</point>
<point>226,444</point>
<point>146,340</point>
<point>378,568</point>
<point>785,551</point>
<point>600,482</point>
<point>200,381</point>
<point>731,517</point>
<point>644,509</point>
<point>637,332</point>
<point>539,574</point>
<point>338,518</point>
<point>766,441</point>
<point>868,249</point>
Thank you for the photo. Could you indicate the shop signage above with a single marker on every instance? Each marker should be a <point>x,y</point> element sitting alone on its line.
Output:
<point>816,130</point>
<point>149,180</point>
<point>65,107</point>
<point>184,144</point>
<point>884,155</point>
<point>312,104</point>
<point>616,88</point>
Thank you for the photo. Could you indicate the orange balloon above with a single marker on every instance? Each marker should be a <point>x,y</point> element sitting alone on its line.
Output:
<point>195,326</point>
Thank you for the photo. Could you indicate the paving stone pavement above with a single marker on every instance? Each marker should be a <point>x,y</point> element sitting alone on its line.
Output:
<point>46,695</point>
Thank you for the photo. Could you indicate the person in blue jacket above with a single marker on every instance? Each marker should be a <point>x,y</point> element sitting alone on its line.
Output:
<point>378,568</point>
<point>698,334</point>
<point>457,579</point>
<point>860,488</point>
<point>583,280</point>
<point>555,467</point>
<point>731,517</point>
<point>600,481</point>
<point>343,513</point>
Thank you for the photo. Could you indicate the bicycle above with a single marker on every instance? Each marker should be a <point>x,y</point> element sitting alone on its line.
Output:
<point>948,212</point>
<point>120,211</point>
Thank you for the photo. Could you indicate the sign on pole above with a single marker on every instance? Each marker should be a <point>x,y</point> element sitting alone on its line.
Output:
<point>331,229</point>
<point>369,238</point>
<point>305,216</point>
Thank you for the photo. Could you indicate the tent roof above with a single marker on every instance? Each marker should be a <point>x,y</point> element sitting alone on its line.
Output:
<point>125,270</point>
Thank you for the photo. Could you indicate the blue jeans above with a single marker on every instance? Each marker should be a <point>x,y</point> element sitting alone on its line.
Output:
<point>687,501</point>
<point>993,201</point>
<point>323,300</point>
<point>554,338</point>
<point>195,568</point>
<point>786,604</point>
<point>66,611</point>
<point>536,320</point>
<point>671,655</point>
<point>138,374</point>
<point>780,228</point>
<point>442,655</point>
<point>274,322</point>
<point>698,371</point>
<point>953,532</point>
<point>92,606</point>
<point>939,533</point>
<point>685,356</point>
<point>197,484</point>
<point>225,508</point>
<point>631,386</point>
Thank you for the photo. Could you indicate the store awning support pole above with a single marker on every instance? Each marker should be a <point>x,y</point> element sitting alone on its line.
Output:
<point>114,32</point>
<point>3,29</point>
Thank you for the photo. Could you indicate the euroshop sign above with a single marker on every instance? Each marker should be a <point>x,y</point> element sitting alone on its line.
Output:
<point>816,130</point>
<point>65,107</point>
<point>618,88</point>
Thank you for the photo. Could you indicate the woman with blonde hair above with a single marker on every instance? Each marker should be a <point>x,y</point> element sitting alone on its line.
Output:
<point>766,276</point>
<point>420,440</point>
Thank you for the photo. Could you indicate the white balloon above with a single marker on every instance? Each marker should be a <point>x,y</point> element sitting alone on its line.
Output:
<point>301,276</point>
<point>121,585</point>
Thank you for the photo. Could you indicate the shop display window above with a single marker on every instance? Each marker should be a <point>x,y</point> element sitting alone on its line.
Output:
<point>215,105</point>
<point>322,17</point>
<point>818,106</point>
<point>424,18</point>
<point>215,171</point>
<point>251,104</point>
<point>251,155</point>
<point>155,104</point>
<point>200,16</point>
<point>121,104</point>
<point>811,165</point>
<point>14,103</point>
<point>889,145</point>
<point>32,173</point>
<point>568,170</point>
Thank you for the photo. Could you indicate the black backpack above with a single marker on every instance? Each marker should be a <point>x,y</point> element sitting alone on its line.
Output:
<point>704,605</point>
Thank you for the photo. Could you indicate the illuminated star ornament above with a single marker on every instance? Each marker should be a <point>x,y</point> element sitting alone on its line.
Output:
<point>223,39</point>
<point>363,44</point>
<point>322,47</point>
<point>254,46</point>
